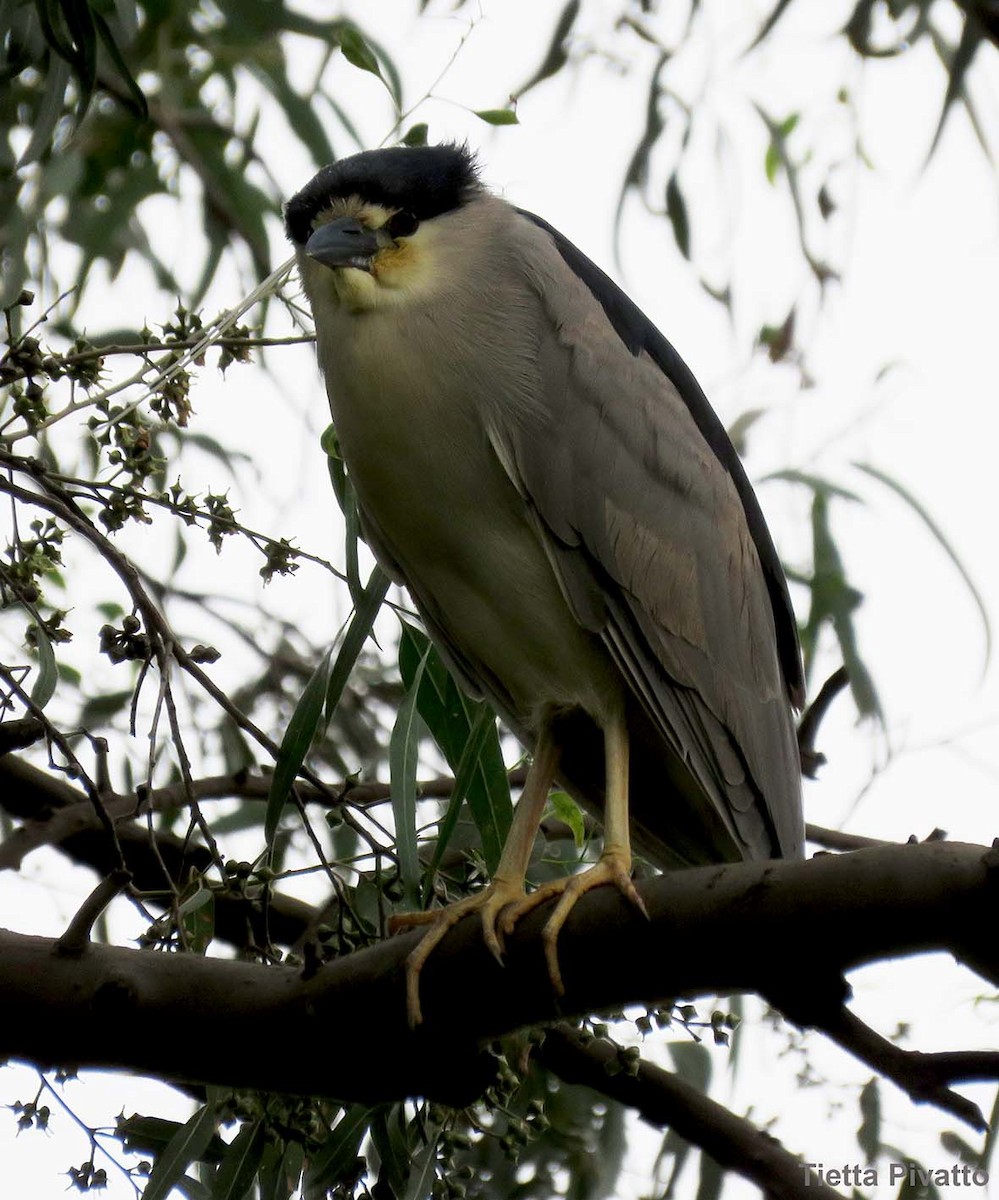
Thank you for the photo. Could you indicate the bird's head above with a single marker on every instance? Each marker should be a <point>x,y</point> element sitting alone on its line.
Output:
<point>367,229</point>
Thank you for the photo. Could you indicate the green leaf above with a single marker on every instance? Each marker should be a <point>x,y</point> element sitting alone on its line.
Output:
<point>991,1134</point>
<point>738,431</point>
<point>869,1133</point>
<point>768,24</point>
<point>450,716</point>
<point>771,164</point>
<point>787,126</point>
<point>469,765</point>
<point>357,634</point>
<point>676,211</point>
<point>136,100</point>
<point>557,54</point>
<point>956,1146</point>
<point>942,541</point>
<point>569,812</point>
<point>280,1171</point>
<point>186,1146</point>
<point>692,1062</point>
<point>329,1164</point>
<point>70,675</point>
<point>677,1147</point>
<point>416,135</point>
<point>49,112</point>
<point>238,1168</point>
<point>497,116</point>
<point>295,744</point>
<point>638,168</point>
<point>711,1178</point>
<point>834,600</point>
<point>197,918</point>
<point>389,1135</point>
<point>357,51</point>
<point>404,747</point>
<point>422,1172</point>
<point>917,1183</point>
<point>815,483</point>
<point>299,112</point>
<point>44,686</point>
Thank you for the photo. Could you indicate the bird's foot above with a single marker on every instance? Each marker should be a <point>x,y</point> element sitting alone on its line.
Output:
<point>613,866</point>
<point>493,898</point>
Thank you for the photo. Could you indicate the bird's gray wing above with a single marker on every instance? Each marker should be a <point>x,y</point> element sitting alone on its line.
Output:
<point>650,535</point>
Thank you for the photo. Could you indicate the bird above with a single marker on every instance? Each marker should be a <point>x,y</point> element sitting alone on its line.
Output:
<point>534,461</point>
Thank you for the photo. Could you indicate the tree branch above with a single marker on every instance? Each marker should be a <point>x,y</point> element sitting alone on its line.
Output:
<point>786,930</point>
<point>663,1099</point>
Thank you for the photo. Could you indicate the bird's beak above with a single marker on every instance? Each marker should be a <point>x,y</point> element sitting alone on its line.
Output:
<point>344,242</point>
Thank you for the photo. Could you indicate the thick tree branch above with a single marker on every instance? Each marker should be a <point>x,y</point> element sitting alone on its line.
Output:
<point>663,1099</point>
<point>786,930</point>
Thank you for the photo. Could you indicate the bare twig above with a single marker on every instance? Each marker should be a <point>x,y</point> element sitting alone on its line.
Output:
<point>808,726</point>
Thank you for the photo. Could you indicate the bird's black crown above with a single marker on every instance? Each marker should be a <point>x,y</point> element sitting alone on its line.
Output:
<point>424,180</point>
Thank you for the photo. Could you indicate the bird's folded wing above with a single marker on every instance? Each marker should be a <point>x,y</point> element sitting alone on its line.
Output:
<point>650,540</point>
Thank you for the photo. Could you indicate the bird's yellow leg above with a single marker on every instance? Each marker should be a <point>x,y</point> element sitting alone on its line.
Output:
<point>505,888</point>
<point>613,866</point>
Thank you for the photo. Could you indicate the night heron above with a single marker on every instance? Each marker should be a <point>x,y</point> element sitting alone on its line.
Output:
<point>535,462</point>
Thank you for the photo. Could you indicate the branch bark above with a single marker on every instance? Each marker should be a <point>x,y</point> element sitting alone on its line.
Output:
<point>663,1099</point>
<point>786,930</point>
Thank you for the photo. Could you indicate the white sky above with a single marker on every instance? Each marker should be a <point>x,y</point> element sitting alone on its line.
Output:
<point>919,252</point>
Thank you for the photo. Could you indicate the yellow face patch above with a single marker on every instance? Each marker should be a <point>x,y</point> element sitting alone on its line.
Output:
<point>401,270</point>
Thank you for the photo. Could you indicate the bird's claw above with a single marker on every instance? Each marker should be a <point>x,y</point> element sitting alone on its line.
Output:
<point>489,903</point>
<point>613,867</point>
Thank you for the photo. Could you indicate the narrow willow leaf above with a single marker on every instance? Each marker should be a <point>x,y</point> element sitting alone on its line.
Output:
<point>991,1134</point>
<point>423,1171</point>
<point>468,765</point>
<point>279,1172</point>
<point>186,1146</point>
<point>710,1179</point>
<point>389,1130</point>
<point>497,116</point>
<point>676,211</point>
<point>197,916</point>
<point>357,634</point>
<point>404,747</point>
<point>48,672</point>
<point>49,111</point>
<point>328,1165</point>
<point>557,54</point>
<point>815,483</point>
<point>295,744</point>
<point>768,24</point>
<point>834,600</point>
<point>450,716</point>
<point>136,100</point>
<point>771,164</point>
<point>693,1063</point>
<point>869,1132</point>
<point>238,1168</point>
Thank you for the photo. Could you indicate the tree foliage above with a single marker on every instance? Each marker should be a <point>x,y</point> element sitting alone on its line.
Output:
<point>167,727</point>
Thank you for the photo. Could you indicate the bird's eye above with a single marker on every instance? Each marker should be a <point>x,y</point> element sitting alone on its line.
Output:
<point>402,224</point>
